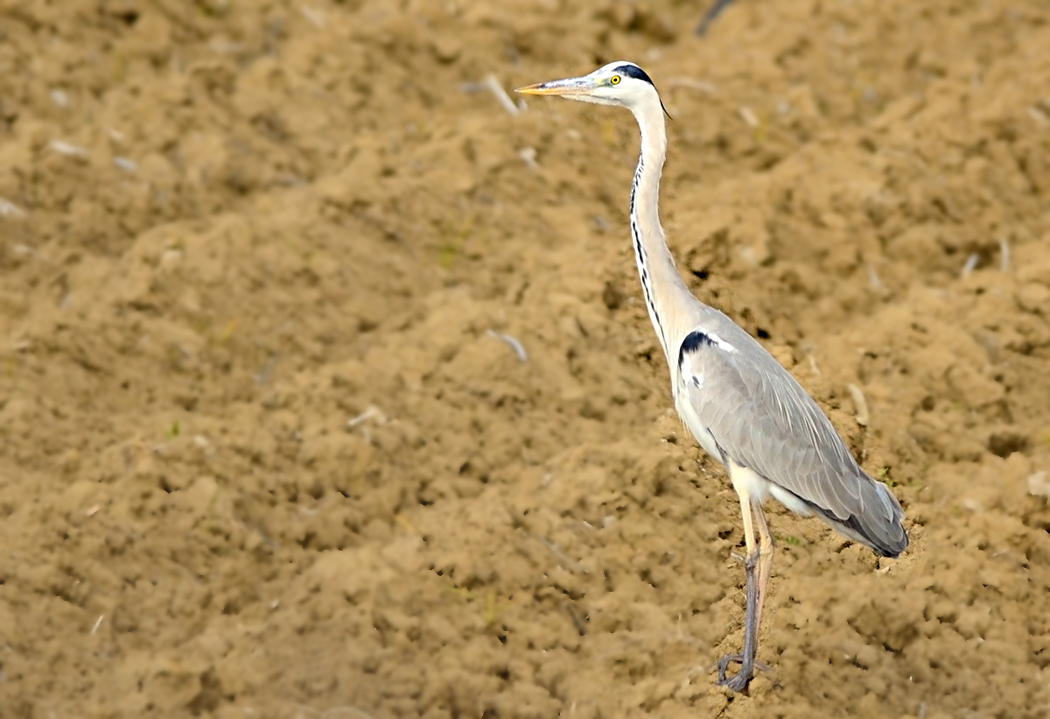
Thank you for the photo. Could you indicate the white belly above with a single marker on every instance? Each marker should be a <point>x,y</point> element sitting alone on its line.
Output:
<point>692,422</point>
<point>746,481</point>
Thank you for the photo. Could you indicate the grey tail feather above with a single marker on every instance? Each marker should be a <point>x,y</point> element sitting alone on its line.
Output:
<point>878,527</point>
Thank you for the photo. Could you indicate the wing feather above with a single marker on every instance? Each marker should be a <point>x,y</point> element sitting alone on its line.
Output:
<point>761,418</point>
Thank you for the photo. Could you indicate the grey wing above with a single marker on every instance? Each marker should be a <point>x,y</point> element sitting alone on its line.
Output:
<point>762,419</point>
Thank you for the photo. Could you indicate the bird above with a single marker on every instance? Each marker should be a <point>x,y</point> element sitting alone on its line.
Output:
<point>743,408</point>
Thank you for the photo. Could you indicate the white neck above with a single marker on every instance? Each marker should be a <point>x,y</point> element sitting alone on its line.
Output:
<point>661,283</point>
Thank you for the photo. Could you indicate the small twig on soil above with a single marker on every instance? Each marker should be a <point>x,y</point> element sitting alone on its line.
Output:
<point>709,17</point>
<point>813,365</point>
<point>10,209</point>
<point>570,564</point>
<point>313,16</point>
<point>519,350</point>
<point>876,283</point>
<point>500,94</point>
<point>860,405</point>
<point>257,530</point>
<point>98,622</point>
<point>368,414</point>
<point>682,637</point>
<point>529,155</point>
<point>1039,116</point>
<point>491,85</point>
<point>266,370</point>
<point>224,47</point>
<point>581,626</point>
<point>971,262</point>
<point>64,148</point>
<point>1004,256</point>
<point>1038,485</point>
<point>748,117</point>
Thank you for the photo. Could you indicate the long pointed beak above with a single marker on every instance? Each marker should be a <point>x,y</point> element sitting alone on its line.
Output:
<point>569,86</point>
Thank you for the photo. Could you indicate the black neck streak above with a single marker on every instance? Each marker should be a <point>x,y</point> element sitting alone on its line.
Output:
<point>640,256</point>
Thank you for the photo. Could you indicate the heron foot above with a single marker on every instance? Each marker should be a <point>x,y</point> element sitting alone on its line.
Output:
<point>739,682</point>
<point>736,683</point>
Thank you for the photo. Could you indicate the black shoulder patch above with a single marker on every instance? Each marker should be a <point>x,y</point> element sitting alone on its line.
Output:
<point>692,342</point>
<point>636,72</point>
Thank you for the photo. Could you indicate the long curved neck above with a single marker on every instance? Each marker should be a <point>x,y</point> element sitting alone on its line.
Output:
<point>661,283</point>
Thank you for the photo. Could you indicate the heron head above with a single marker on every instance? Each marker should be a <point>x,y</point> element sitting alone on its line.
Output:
<point>618,83</point>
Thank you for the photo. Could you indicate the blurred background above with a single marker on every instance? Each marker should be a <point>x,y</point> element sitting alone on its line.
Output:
<point>327,390</point>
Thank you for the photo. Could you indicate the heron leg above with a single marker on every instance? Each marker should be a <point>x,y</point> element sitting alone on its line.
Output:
<point>753,606</point>
<point>765,559</point>
<point>757,566</point>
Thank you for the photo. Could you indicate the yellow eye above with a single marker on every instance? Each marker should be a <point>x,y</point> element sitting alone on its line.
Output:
<point>614,80</point>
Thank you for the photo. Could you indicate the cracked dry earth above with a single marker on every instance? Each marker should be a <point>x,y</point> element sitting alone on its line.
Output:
<point>260,455</point>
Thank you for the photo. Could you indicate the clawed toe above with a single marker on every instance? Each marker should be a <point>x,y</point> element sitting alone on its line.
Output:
<point>739,682</point>
<point>736,683</point>
<point>724,663</point>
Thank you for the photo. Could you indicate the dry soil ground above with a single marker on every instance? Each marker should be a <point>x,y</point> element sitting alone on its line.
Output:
<point>228,228</point>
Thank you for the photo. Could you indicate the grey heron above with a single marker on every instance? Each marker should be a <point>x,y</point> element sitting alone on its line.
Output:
<point>741,405</point>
